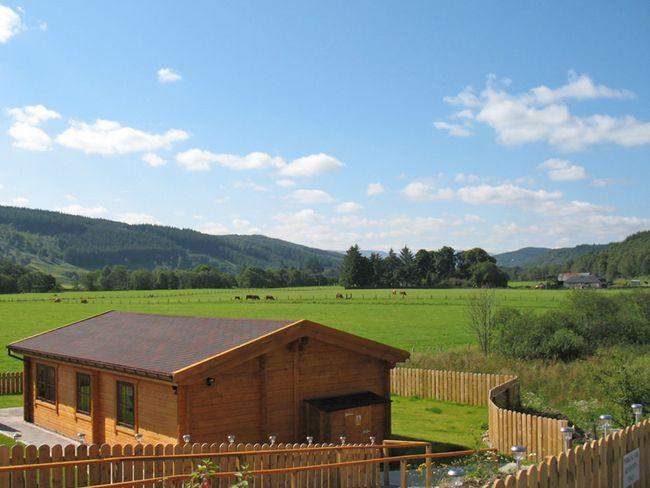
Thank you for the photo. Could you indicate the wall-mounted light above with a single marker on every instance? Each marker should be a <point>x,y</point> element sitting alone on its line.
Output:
<point>209,381</point>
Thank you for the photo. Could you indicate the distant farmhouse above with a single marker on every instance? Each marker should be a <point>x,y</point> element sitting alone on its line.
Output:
<point>580,280</point>
<point>116,375</point>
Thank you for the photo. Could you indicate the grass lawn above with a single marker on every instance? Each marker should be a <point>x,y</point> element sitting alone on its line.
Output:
<point>6,441</point>
<point>423,320</point>
<point>449,426</point>
<point>7,401</point>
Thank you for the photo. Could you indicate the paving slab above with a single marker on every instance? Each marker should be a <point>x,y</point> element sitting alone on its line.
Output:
<point>11,421</point>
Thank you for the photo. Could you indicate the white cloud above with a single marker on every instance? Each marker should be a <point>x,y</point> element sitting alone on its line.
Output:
<point>20,201</point>
<point>244,226</point>
<point>25,131</point>
<point>504,194</point>
<point>213,228</point>
<point>312,165</point>
<point>603,182</point>
<point>348,207</point>
<point>285,183</point>
<point>10,24</point>
<point>251,185</point>
<point>422,191</point>
<point>538,115</point>
<point>466,178</point>
<point>201,160</point>
<point>76,209</point>
<point>574,207</point>
<point>70,198</point>
<point>456,130</point>
<point>136,218</point>
<point>311,196</point>
<point>107,137</point>
<point>168,75</point>
<point>563,170</point>
<point>375,189</point>
<point>153,160</point>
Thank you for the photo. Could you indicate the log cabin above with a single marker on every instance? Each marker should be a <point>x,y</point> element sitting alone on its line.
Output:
<point>118,374</point>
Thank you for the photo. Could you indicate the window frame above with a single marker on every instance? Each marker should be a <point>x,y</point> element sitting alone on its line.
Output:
<point>79,395</point>
<point>118,402</point>
<point>39,381</point>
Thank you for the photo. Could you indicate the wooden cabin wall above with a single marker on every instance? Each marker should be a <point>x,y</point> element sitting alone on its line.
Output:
<point>266,395</point>
<point>156,411</point>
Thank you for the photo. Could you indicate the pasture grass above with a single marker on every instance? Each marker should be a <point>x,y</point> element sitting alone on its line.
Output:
<point>424,320</point>
<point>6,441</point>
<point>449,426</point>
<point>7,401</point>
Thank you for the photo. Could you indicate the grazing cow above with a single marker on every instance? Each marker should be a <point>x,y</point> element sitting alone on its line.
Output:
<point>57,300</point>
<point>339,296</point>
<point>403,293</point>
<point>252,297</point>
<point>270,297</point>
<point>238,298</point>
<point>348,296</point>
<point>83,300</point>
<point>394,292</point>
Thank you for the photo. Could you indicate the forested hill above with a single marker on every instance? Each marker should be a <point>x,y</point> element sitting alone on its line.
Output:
<point>543,256</point>
<point>627,259</point>
<point>68,242</point>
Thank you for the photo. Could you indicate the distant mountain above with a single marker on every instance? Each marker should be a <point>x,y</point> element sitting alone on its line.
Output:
<point>68,244</point>
<point>543,256</point>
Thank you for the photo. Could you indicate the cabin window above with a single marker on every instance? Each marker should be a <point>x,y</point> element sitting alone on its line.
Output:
<point>125,404</point>
<point>46,383</point>
<point>83,393</point>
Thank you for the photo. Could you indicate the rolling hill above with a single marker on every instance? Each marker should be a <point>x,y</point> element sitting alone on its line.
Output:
<point>544,256</point>
<point>65,245</point>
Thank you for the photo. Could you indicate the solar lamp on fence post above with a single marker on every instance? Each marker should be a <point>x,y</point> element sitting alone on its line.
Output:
<point>231,439</point>
<point>310,440</point>
<point>138,437</point>
<point>342,439</point>
<point>637,410</point>
<point>567,434</point>
<point>605,423</point>
<point>457,476</point>
<point>17,436</point>
<point>272,439</point>
<point>187,438</point>
<point>372,439</point>
<point>519,453</point>
<point>81,437</point>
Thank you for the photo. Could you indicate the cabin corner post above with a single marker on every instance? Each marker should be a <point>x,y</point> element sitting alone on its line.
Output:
<point>182,411</point>
<point>389,407</point>
<point>28,396</point>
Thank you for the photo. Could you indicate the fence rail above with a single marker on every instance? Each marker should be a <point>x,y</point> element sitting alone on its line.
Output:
<point>11,383</point>
<point>597,464</point>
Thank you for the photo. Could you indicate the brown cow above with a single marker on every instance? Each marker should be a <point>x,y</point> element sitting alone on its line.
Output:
<point>57,300</point>
<point>252,297</point>
<point>237,298</point>
<point>270,297</point>
<point>83,300</point>
<point>403,293</point>
<point>339,296</point>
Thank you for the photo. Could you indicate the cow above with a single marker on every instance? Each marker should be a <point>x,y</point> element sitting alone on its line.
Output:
<point>394,292</point>
<point>238,298</point>
<point>339,296</point>
<point>83,300</point>
<point>403,293</point>
<point>270,297</point>
<point>252,297</point>
<point>348,296</point>
<point>57,300</point>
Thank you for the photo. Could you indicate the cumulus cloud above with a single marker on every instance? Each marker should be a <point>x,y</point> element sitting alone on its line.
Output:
<point>136,218</point>
<point>10,23</point>
<point>312,165</point>
<point>213,228</point>
<point>504,194</point>
<point>375,189</point>
<point>285,183</point>
<point>563,170</point>
<point>539,115</point>
<point>422,191</point>
<point>201,160</point>
<point>20,201</point>
<point>456,130</point>
<point>168,75</point>
<point>153,160</point>
<point>108,137</point>
<point>311,196</point>
<point>25,129</point>
<point>76,209</point>
<point>348,207</point>
<point>466,178</point>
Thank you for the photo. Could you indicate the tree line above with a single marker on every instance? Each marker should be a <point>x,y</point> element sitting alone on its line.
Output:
<point>444,267</point>
<point>15,278</point>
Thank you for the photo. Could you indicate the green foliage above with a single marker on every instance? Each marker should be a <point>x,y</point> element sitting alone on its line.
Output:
<point>588,320</point>
<point>16,278</point>
<point>201,475</point>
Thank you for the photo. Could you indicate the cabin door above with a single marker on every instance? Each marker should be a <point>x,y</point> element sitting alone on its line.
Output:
<point>357,424</point>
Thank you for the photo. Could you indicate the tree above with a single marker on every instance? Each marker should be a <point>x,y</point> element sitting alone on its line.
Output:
<point>423,267</point>
<point>407,267</point>
<point>445,262</point>
<point>355,269</point>
<point>481,311</point>
<point>487,273</point>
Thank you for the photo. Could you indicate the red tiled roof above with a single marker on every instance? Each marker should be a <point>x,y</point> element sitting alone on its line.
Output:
<point>146,344</point>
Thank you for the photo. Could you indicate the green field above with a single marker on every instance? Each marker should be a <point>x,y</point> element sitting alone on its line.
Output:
<point>423,320</point>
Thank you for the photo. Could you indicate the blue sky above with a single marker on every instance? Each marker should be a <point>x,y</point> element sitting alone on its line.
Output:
<point>500,124</point>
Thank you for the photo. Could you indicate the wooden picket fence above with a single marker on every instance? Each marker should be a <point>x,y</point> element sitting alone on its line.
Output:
<point>597,464</point>
<point>278,456</point>
<point>500,393</point>
<point>11,383</point>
